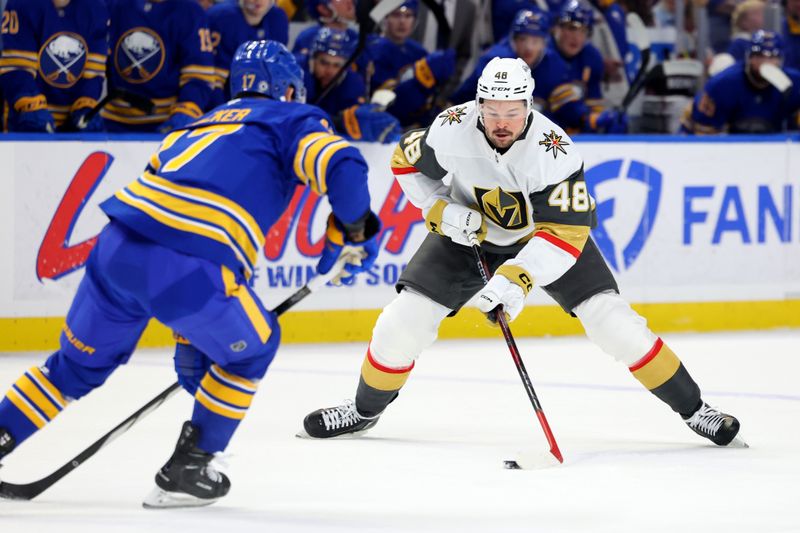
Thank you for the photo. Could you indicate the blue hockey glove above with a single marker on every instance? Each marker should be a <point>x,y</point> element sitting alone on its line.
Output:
<point>435,68</point>
<point>78,120</point>
<point>366,122</point>
<point>182,114</point>
<point>190,364</point>
<point>611,121</point>
<point>364,242</point>
<point>31,115</point>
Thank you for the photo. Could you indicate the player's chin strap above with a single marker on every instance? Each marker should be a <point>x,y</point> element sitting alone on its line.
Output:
<point>28,491</point>
<point>500,316</point>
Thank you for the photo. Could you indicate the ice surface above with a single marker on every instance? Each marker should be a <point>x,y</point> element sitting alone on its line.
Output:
<point>435,460</point>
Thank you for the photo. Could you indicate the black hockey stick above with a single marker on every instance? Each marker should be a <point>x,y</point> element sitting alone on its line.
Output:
<point>28,491</point>
<point>137,101</point>
<point>638,35</point>
<point>500,316</point>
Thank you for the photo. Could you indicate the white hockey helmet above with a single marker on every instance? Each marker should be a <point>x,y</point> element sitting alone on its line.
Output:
<point>505,78</point>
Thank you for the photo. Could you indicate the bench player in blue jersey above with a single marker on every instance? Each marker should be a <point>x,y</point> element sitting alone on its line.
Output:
<point>54,63</point>
<point>181,246</point>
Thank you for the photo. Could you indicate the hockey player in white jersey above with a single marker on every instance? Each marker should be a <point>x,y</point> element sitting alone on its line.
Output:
<point>516,181</point>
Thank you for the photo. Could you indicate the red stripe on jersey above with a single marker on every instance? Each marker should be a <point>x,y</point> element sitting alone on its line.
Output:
<point>648,356</point>
<point>564,245</point>
<point>405,170</point>
<point>386,369</point>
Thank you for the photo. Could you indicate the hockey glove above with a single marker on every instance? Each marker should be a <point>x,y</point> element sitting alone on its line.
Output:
<point>78,116</point>
<point>455,221</point>
<point>182,114</point>
<point>435,68</point>
<point>508,287</point>
<point>610,121</point>
<point>190,364</point>
<point>366,122</point>
<point>31,115</point>
<point>363,242</point>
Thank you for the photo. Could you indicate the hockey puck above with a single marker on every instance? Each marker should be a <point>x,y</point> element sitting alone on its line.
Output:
<point>511,465</point>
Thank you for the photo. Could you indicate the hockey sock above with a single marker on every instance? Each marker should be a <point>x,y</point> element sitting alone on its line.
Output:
<point>378,385</point>
<point>663,374</point>
<point>30,403</point>
<point>221,401</point>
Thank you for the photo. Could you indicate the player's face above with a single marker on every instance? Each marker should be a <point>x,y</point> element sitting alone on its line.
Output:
<point>345,9</point>
<point>529,48</point>
<point>400,24</point>
<point>503,120</point>
<point>571,38</point>
<point>256,8</point>
<point>756,60</point>
<point>326,67</point>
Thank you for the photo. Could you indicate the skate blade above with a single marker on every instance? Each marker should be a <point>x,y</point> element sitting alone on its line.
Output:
<point>162,499</point>
<point>303,434</point>
<point>738,442</point>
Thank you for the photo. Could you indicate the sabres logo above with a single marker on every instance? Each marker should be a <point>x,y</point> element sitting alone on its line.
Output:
<point>453,115</point>
<point>139,55</point>
<point>507,209</point>
<point>554,143</point>
<point>62,59</point>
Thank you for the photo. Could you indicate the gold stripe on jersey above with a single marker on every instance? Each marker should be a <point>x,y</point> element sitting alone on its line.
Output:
<point>314,152</point>
<point>36,397</point>
<point>36,418</point>
<point>198,72</point>
<point>194,205</point>
<point>223,391</point>
<point>562,95</point>
<point>248,303</point>
<point>573,235</point>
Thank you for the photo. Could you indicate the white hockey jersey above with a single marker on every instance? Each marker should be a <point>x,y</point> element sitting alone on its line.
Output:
<point>534,189</point>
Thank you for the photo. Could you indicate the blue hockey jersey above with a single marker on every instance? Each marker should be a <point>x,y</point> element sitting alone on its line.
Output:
<point>53,58</point>
<point>574,99</point>
<point>791,36</point>
<point>214,189</point>
<point>391,59</point>
<point>730,103</point>
<point>229,29</point>
<point>160,49</point>
<point>349,92</point>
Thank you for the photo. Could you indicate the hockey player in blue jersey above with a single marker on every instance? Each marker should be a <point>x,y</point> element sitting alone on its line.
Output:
<point>345,101</point>
<point>181,245</point>
<point>53,64</point>
<point>333,14</point>
<point>405,67</point>
<point>231,24</point>
<point>578,105</point>
<point>741,99</point>
<point>161,50</point>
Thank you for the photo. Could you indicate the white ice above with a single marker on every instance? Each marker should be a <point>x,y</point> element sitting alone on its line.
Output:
<point>434,462</point>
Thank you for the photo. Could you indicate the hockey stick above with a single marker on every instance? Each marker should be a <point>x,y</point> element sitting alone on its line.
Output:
<point>137,101</point>
<point>638,35</point>
<point>483,267</point>
<point>28,491</point>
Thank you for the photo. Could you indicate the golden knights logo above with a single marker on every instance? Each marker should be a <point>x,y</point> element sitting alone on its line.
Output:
<point>553,142</point>
<point>507,209</point>
<point>139,55</point>
<point>62,59</point>
<point>453,115</point>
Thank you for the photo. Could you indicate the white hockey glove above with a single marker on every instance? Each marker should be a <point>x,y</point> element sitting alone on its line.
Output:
<point>455,221</point>
<point>508,287</point>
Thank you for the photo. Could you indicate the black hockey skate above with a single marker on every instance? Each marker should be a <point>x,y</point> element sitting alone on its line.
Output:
<point>188,479</point>
<point>720,428</point>
<point>336,422</point>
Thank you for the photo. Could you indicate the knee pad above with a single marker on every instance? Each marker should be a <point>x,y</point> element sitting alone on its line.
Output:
<point>72,379</point>
<point>617,329</point>
<point>408,325</point>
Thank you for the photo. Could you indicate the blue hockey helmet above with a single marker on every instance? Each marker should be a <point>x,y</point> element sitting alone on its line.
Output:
<point>268,68</point>
<point>766,43</point>
<point>576,13</point>
<point>410,5</point>
<point>311,7</point>
<point>530,22</point>
<point>333,42</point>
